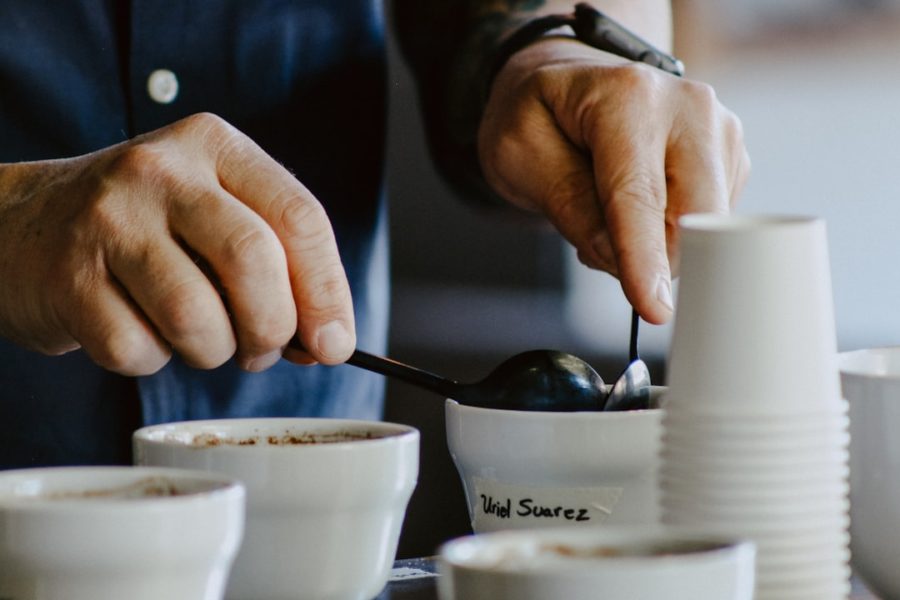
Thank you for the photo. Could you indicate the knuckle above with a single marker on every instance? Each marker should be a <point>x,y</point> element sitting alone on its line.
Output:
<point>632,255</point>
<point>495,153</point>
<point>252,248</point>
<point>635,80</point>
<point>571,185</point>
<point>267,335</point>
<point>734,130</point>
<point>565,193</point>
<point>544,77</point>
<point>186,310</point>
<point>702,96</point>
<point>306,223</point>
<point>500,159</point>
<point>142,162</point>
<point>638,188</point>
<point>325,290</point>
<point>206,122</point>
<point>127,350</point>
<point>216,135</point>
<point>103,217</point>
<point>142,170</point>
<point>602,261</point>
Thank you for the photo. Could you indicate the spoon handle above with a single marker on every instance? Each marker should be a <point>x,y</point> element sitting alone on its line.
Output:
<point>633,347</point>
<point>392,368</point>
<point>407,373</point>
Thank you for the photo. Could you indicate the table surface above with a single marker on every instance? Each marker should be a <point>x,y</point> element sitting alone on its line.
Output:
<point>414,579</point>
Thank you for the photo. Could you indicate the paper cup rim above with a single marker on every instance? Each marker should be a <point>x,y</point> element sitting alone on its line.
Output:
<point>722,477</point>
<point>837,413</point>
<point>678,486</point>
<point>761,528</point>
<point>763,445</point>
<point>813,410</point>
<point>746,509</point>
<point>713,223</point>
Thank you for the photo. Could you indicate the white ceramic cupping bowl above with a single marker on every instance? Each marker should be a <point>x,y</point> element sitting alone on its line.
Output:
<point>523,469</point>
<point>608,562</point>
<point>72,533</point>
<point>324,519</point>
<point>871,384</point>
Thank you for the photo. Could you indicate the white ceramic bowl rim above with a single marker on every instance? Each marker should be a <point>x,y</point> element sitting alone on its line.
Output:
<point>550,416</point>
<point>871,363</point>
<point>34,499</point>
<point>183,433</point>
<point>462,552</point>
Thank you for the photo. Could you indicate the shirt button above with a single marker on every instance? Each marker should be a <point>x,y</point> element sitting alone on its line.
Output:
<point>162,86</point>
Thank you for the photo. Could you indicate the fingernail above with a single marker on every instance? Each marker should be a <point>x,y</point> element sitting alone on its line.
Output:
<point>261,363</point>
<point>334,341</point>
<point>664,292</point>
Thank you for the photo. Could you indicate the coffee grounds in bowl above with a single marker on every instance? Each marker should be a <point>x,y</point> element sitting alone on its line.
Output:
<point>286,439</point>
<point>150,487</point>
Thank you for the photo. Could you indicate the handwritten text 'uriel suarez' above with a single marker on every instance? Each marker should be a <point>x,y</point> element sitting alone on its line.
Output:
<point>527,507</point>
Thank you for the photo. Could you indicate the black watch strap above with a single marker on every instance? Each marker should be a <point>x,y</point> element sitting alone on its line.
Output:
<point>593,28</point>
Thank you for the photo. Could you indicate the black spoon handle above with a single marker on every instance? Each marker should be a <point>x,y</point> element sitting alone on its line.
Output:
<point>633,348</point>
<point>417,377</point>
<point>392,368</point>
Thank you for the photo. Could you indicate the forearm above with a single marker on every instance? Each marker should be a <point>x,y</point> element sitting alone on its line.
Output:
<point>450,45</point>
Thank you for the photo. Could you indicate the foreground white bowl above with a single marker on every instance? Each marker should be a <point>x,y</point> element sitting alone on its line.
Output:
<point>590,563</point>
<point>541,469</point>
<point>100,533</point>
<point>326,498</point>
<point>871,385</point>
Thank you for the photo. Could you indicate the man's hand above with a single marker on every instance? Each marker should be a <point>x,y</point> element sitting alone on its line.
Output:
<point>613,153</point>
<point>190,238</point>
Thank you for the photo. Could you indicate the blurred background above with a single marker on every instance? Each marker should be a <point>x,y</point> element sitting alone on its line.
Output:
<point>817,86</point>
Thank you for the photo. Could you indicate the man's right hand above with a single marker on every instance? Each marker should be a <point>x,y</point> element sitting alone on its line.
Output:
<point>188,239</point>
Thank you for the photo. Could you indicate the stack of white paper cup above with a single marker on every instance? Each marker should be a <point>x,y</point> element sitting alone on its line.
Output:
<point>755,430</point>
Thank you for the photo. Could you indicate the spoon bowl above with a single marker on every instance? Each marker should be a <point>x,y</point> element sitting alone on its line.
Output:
<point>631,391</point>
<point>539,380</point>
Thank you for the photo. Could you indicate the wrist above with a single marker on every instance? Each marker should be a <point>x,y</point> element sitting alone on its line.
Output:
<point>591,28</point>
<point>552,50</point>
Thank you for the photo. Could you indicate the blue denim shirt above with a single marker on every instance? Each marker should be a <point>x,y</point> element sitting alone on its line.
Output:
<point>304,78</point>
